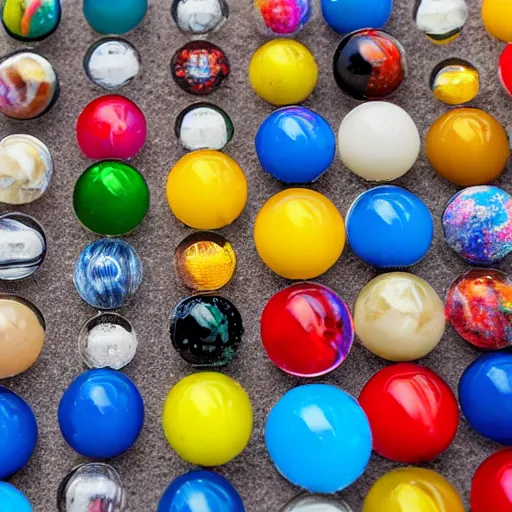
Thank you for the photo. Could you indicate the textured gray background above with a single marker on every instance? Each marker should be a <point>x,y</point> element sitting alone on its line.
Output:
<point>151,464</point>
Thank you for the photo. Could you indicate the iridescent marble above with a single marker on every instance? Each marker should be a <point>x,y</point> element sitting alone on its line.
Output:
<point>112,63</point>
<point>92,487</point>
<point>199,17</point>
<point>26,168</point>
<point>281,18</point>
<point>22,246</point>
<point>441,20</point>
<point>108,272</point>
<point>315,503</point>
<point>477,224</point>
<point>28,85</point>
<point>107,340</point>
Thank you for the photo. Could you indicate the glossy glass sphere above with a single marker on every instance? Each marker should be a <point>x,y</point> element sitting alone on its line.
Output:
<point>114,16</point>
<point>378,141</point>
<point>295,145</point>
<point>485,401</point>
<point>299,234</point>
<point>455,81</point>
<point>111,198</point>
<point>307,330</point>
<point>497,15</point>
<point>210,491</point>
<point>442,21</point>
<point>315,503</point>
<point>18,434</point>
<point>413,413</point>
<point>13,500</point>
<point>346,16</point>
<point>199,18</point>
<point>89,487</point>
<point>220,411</point>
<point>318,438</point>
<point>282,18</point>
<point>105,428</point>
<point>505,68</point>
<point>389,227</point>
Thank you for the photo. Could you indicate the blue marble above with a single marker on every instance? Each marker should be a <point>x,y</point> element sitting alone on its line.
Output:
<point>295,145</point>
<point>200,491</point>
<point>101,414</point>
<point>319,438</point>
<point>18,433</point>
<point>108,272</point>
<point>389,227</point>
<point>114,16</point>
<point>477,224</point>
<point>346,16</point>
<point>485,396</point>
<point>12,500</point>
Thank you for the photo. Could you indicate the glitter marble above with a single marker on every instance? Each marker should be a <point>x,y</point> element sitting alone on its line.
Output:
<point>477,224</point>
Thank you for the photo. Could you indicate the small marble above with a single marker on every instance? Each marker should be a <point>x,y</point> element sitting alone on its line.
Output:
<point>29,86</point>
<point>441,20</point>
<point>91,487</point>
<point>199,17</point>
<point>26,168</point>
<point>315,503</point>
<point>112,63</point>
<point>107,340</point>
<point>203,126</point>
<point>455,81</point>
<point>399,317</point>
<point>22,333</point>
<point>108,272</point>
<point>282,18</point>
<point>114,16</point>
<point>22,246</point>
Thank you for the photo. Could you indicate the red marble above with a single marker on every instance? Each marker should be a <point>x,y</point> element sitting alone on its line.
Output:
<point>111,126</point>
<point>505,68</point>
<point>307,330</point>
<point>491,489</point>
<point>413,413</point>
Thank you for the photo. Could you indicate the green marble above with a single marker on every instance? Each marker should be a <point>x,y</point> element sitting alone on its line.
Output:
<point>111,198</point>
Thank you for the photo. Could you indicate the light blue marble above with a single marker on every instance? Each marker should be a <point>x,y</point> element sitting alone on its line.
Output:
<point>107,273</point>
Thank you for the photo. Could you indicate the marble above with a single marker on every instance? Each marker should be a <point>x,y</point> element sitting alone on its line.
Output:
<point>12,499</point>
<point>114,16</point>
<point>31,20</point>
<point>29,86</point>
<point>206,330</point>
<point>22,335</point>
<point>315,503</point>
<point>455,81</point>
<point>220,411</point>
<point>282,18</point>
<point>107,340</point>
<point>108,273</point>
<point>399,317</point>
<point>505,69</point>
<point>496,15</point>
<point>205,261</point>
<point>26,168</point>
<point>22,246</point>
<point>346,16</point>
<point>441,20</point>
<point>199,18</point>
<point>18,435</point>
<point>112,63</point>
<point>91,487</point>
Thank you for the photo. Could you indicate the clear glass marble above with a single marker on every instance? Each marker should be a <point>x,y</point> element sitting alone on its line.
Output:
<point>199,17</point>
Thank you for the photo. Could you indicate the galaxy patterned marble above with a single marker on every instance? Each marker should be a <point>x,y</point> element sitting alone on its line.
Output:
<point>479,308</point>
<point>31,20</point>
<point>108,272</point>
<point>206,330</point>
<point>22,246</point>
<point>28,85</point>
<point>280,18</point>
<point>477,224</point>
<point>200,67</point>
<point>199,17</point>
<point>26,167</point>
<point>91,487</point>
<point>369,64</point>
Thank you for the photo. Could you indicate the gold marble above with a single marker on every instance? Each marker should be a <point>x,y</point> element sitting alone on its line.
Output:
<point>455,82</point>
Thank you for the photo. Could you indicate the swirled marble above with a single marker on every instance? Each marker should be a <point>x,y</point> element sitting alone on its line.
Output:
<point>26,168</point>
<point>22,246</point>
<point>199,17</point>
<point>108,272</point>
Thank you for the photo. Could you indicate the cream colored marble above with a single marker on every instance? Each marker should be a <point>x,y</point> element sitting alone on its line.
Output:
<point>399,317</point>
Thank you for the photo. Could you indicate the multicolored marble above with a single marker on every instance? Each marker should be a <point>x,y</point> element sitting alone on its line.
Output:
<point>479,308</point>
<point>199,17</point>
<point>22,246</point>
<point>200,67</point>
<point>112,63</point>
<point>91,487</point>
<point>281,18</point>
<point>441,20</point>
<point>26,168</point>
<point>107,340</point>
<point>455,81</point>
<point>477,224</point>
<point>205,261</point>
<point>31,20</point>
<point>29,86</point>
<point>108,272</point>
<point>206,330</point>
